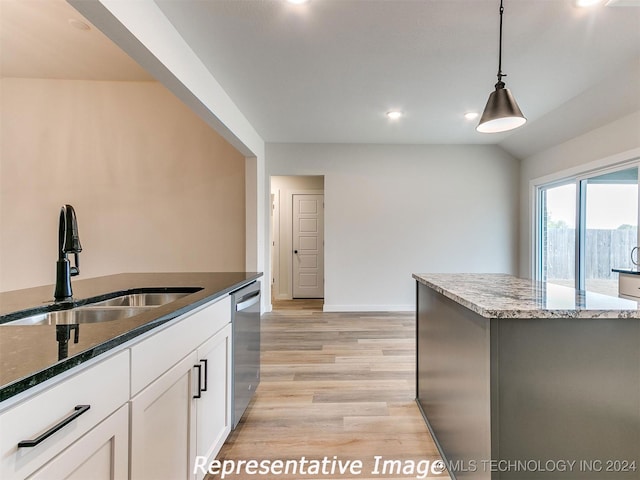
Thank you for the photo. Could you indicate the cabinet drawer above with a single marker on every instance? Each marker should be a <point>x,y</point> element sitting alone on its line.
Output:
<point>101,453</point>
<point>629,285</point>
<point>102,386</point>
<point>158,353</point>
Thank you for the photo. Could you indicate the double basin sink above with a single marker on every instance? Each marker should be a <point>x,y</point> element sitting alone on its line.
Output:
<point>121,306</point>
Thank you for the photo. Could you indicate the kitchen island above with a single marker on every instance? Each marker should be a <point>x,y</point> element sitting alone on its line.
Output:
<point>524,380</point>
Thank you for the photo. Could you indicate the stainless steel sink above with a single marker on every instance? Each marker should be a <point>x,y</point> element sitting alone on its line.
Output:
<point>142,299</point>
<point>79,315</point>
<point>116,308</point>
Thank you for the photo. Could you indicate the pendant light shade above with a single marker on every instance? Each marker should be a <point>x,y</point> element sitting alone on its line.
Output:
<point>501,112</point>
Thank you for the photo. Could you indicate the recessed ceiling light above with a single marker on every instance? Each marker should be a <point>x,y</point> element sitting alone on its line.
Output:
<point>471,115</point>
<point>394,114</point>
<point>297,2</point>
<point>79,24</point>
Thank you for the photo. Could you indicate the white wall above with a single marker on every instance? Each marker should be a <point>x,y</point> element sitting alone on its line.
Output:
<point>610,144</point>
<point>154,187</point>
<point>393,210</point>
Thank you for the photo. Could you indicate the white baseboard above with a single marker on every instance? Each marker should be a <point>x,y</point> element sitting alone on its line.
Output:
<point>368,308</point>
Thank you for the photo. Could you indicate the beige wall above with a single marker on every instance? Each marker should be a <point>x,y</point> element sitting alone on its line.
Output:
<point>154,187</point>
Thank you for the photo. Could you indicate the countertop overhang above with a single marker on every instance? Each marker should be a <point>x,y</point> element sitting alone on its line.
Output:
<point>506,296</point>
<point>29,354</point>
<point>626,271</point>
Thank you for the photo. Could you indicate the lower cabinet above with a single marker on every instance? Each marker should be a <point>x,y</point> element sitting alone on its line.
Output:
<point>162,426</point>
<point>102,454</point>
<point>213,408</point>
<point>77,425</point>
<point>184,413</point>
<point>629,286</point>
<point>152,408</point>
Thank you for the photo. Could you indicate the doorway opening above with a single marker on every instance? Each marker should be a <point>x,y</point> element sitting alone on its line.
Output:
<point>297,243</point>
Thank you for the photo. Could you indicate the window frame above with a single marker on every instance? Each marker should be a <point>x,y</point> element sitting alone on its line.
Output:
<point>579,178</point>
<point>539,229</point>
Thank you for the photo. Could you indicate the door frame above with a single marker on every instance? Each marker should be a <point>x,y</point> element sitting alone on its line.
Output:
<point>283,212</point>
<point>574,175</point>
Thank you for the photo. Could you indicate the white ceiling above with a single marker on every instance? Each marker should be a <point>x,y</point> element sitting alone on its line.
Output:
<point>330,70</point>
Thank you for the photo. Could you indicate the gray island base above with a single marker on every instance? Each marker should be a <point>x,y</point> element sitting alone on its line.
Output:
<point>525,380</point>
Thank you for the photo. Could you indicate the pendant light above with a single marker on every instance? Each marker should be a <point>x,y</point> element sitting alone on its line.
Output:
<point>501,112</point>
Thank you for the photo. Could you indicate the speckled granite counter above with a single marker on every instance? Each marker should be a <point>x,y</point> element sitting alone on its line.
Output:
<point>506,296</point>
<point>29,354</point>
<point>511,370</point>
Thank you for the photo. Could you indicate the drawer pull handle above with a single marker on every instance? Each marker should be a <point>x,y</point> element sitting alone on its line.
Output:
<point>79,410</point>
<point>199,394</point>
<point>206,374</point>
<point>201,387</point>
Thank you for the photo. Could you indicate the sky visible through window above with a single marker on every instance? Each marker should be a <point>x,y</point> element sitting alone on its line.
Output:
<point>608,205</point>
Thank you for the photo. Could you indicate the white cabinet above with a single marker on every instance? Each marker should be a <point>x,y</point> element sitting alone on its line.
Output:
<point>153,406</point>
<point>186,411</point>
<point>162,441</point>
<point>213,408</point>
<point>154,355</point>
<point>58,406</point>
<point>102,454</point>
<point>629,286</point>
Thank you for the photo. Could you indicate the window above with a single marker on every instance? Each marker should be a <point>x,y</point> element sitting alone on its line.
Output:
<point>587,226</point>
<point>558,234</point>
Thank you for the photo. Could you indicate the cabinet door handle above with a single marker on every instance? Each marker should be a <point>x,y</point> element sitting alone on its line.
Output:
<point>199,394</point>
<point>206,374</point>
<point>79,410</point>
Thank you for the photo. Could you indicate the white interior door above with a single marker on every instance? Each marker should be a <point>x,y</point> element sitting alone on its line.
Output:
<point>308,246</point>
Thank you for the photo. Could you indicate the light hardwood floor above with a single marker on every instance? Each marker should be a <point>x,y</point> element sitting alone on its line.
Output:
<point>338,385</point>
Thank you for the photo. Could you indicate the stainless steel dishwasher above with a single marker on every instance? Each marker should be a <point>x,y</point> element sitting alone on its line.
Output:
<point>245,314</point>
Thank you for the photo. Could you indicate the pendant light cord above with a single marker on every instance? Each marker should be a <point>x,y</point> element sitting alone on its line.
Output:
<point>501,113</point>
<point>500,74</point>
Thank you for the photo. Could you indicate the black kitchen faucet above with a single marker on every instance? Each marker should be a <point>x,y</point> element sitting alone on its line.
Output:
<point>68,242</point>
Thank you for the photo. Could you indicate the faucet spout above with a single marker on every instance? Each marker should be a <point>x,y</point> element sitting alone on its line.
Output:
<point>68,242</point>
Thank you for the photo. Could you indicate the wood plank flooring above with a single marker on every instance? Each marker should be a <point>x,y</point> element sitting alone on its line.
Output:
<point>335,385</point>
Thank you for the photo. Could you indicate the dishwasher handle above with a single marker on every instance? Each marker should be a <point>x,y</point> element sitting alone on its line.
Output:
<point>248,301</point>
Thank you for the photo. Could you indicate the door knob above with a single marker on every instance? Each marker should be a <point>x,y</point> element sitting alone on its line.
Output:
<point>295,251</point>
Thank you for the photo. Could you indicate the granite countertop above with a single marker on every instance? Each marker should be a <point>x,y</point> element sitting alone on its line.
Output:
<point>506,296</point>
<point>29,354</point>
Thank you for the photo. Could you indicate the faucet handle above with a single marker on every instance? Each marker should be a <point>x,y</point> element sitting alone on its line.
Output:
<point>75,270</point>
<point>70,238</point>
